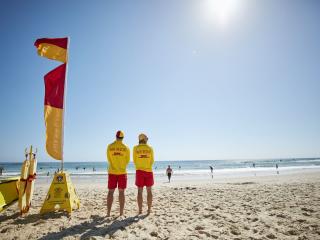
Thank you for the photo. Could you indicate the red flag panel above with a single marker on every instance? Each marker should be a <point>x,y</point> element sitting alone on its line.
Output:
<point>60,42</point>
<point>54,86</point>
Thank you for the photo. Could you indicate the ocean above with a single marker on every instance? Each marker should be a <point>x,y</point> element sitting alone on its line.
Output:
<point>196,167</point>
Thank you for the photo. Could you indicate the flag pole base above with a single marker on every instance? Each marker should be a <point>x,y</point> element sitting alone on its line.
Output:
<point>62,195</point>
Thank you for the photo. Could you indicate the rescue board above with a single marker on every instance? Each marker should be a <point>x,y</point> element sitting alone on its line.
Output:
<point>30,180</point>
<point>28,175</point>
<point>23,185</point>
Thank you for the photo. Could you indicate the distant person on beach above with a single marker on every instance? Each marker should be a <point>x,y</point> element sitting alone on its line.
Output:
<point>143,160</point>
<point>169,172</point>
<point>118,155</point>
<point>211,169</point>
<point>1,170</point>
<point>254,166</point>
<point>277,168</point>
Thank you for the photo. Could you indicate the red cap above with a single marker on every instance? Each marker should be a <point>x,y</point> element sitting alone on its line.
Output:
<point>120,134</point>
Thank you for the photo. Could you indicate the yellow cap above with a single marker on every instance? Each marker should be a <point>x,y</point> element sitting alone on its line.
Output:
<point>143,137</point>
<point>120,134</point>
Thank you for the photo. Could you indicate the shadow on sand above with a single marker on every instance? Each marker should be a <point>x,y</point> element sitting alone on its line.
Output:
<point>32,218</point>
<point>9,217</point>
<point>90,228</point>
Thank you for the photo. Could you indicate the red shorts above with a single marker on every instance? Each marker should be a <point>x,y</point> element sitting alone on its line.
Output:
<point>117,180</point>
<point>144,178</point>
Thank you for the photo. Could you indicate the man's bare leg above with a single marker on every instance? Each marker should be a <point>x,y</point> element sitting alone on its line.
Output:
<point>139,199</point>
<point>109,201</point>
<point>121,200</point>
<point>149,199</point>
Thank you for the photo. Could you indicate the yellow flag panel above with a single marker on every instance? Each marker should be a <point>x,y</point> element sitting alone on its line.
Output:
<point>52,52</point>
<point>54,131</point>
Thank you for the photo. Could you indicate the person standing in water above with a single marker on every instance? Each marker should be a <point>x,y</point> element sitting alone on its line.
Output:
<point>277,168</point>
<point>118,155</point>
<point>169,172</point>
<point>143,160</point>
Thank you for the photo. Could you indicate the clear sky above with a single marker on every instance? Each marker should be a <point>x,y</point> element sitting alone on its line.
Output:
<point>203,79</point>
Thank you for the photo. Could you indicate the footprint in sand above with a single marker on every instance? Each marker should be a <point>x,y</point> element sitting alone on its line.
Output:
<point>307,210</point>
<point>199,227</point>
<point>281,215</point>
<point>301,220</point>
<point>154,234</point>
<point>235,232</point>
<point>292,232</point>
<point>271,236</point>
<point>204,232</point>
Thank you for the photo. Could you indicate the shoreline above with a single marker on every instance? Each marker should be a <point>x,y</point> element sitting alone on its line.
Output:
<point>161,180</point>
<point>188,172</point>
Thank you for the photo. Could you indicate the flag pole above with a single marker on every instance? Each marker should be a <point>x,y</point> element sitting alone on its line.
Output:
<point>64,104</point>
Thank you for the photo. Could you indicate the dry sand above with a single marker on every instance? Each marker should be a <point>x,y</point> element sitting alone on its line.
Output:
<point>281,207</point>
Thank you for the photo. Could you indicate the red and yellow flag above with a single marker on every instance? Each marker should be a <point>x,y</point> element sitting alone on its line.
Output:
<point>53,110</point>
<point>54,48</point>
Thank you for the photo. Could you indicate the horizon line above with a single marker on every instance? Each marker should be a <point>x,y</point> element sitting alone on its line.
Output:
<point>188,160</point>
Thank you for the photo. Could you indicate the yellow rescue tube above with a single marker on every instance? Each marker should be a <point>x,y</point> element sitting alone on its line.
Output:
<point>30,182</point>
<point>9,193</point>
<point>23,185</point>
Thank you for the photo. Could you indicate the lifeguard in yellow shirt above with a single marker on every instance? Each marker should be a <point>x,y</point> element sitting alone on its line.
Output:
<point>143,161</point>
<point>118,155</point>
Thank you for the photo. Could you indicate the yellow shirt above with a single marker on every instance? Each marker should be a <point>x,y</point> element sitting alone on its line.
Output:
<point>143,157</point>
<point>118,155</point>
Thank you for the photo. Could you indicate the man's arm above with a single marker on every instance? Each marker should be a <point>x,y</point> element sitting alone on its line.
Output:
<point>152,157</point>
<point>109,157</point>
<point>108,153</point>
<point>134,156</point>
<point>128,155</point>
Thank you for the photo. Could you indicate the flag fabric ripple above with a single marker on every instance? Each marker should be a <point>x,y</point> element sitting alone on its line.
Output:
<point>53,48</point>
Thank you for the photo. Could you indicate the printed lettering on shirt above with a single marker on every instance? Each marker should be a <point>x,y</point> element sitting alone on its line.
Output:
<point>143,151</point>
<point>117,154</point>
<point>120,149</point>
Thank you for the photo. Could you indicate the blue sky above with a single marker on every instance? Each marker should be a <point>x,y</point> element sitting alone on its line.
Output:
<point>201,79</point>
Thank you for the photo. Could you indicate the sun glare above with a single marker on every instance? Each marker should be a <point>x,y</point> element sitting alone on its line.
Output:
<point>221,12</point>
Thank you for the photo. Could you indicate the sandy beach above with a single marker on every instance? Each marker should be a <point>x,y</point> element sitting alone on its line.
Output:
<point>273,207</point>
